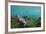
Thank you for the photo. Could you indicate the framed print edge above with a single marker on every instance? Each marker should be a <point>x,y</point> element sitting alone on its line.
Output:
<point>6,16</point>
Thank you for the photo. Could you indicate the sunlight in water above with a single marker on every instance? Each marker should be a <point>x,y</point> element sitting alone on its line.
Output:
<point>25,16</point>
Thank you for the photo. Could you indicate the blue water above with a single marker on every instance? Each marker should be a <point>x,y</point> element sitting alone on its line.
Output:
<point>32,11</point>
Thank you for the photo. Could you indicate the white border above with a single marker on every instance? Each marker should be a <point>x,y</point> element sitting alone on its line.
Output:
<point>23,29</point>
